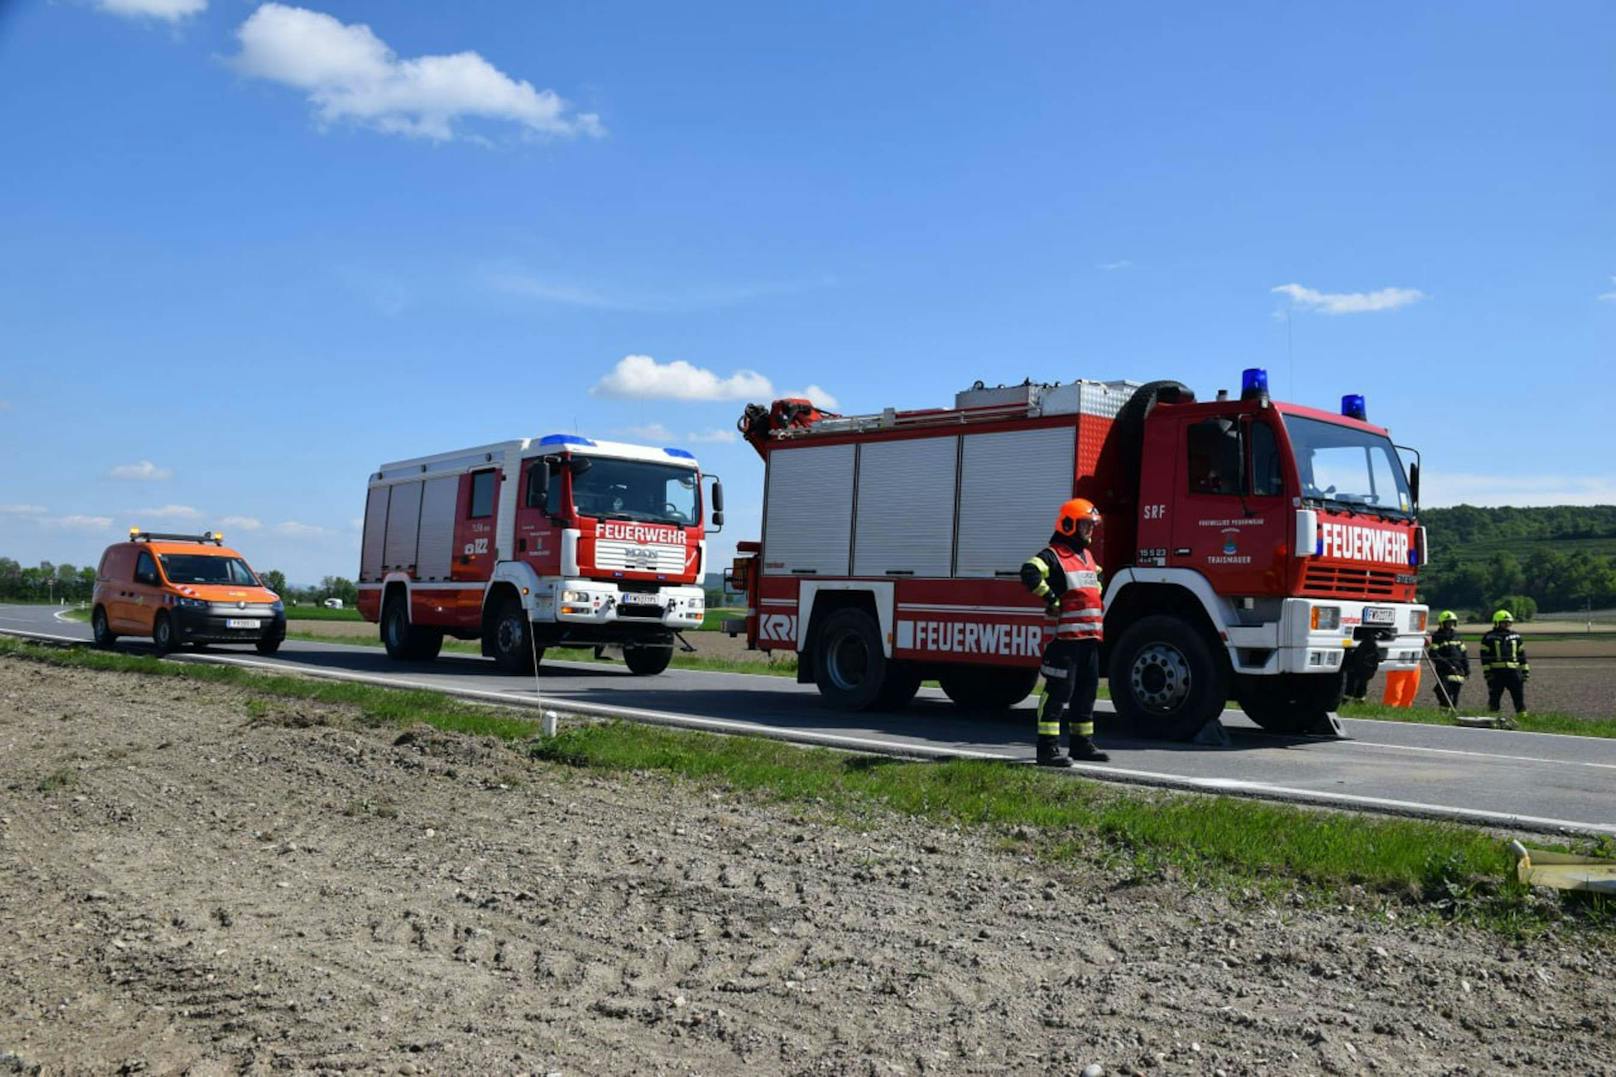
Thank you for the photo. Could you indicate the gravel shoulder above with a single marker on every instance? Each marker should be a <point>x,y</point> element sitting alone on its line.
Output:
<point>195,880</point>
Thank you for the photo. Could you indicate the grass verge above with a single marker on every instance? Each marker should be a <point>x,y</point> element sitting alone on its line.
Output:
<point>320,613</point>
<point>1432,868</point>
<point>1533,722</point>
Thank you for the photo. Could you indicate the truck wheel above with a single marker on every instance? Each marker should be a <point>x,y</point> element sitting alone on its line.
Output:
<point>647,661</point>
<point>1290,702</point>
<point>162,634</point>
<point>512,641</point>
<point>898,691</point>
<point>100,629</point>
<point>988,689</point>
<point>1165,679</point>
<point>406,642</point>
<point>849,667</point>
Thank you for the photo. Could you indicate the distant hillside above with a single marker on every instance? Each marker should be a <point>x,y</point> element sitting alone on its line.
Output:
<point>1561,557</point>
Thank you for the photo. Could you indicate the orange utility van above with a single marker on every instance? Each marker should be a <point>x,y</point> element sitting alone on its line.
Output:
<point>181,589</point>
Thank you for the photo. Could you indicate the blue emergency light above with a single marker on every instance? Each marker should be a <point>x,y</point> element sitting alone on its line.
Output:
<point>1352,406</point>
<point>1253,383</point>
<point>564,439</point>
<point>682,454</point>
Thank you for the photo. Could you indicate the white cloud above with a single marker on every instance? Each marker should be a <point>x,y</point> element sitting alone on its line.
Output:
<point>1349,302</point>
<point>1111,267</point>
<point>141,472</point>
<point>22,510</point>
<point>821,397</point>
<point>711,437</point>
<point>241,523</point>
<point>351,74</point>
<point>172,10</point>
<point>1439,489</point>
<point>640,377</point>
<point>293,529</point>
<point>1608,297</point>
<point>79,523</point>
<point>168,512</point>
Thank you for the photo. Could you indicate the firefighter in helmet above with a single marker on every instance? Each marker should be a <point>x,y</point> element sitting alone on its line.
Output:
<point>1065,575</point>
<point>1503,663</point>
<point>1447,653</point>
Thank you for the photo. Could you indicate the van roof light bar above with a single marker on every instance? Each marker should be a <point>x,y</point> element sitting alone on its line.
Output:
<point>137,535</point>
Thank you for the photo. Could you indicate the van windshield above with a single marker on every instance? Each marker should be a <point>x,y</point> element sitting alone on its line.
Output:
<point>200,568</point>
<point>634,490</point>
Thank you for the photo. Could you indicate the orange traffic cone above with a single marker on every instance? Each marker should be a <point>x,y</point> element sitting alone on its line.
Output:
<point>1402,685</point>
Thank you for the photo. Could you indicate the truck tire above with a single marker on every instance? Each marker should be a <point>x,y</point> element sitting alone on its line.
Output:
<point>849,666</point>
<point>1289,702</point>
<point>899,688</point>
<point>406,642</point>
<point>988,689</point>
<point>1166,680</point>
<point>647,661</point>
<point>162,634</point>
<point>511,640</point>
<point>101,630</point>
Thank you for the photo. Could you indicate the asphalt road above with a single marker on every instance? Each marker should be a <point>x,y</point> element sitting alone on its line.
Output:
<point>1531,781</point>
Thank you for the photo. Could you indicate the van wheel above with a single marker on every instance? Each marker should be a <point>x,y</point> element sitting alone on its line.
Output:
<point>512,643</point>
<point>162,634</point>
<point>988,689</point>
<point>647,661</point>
<point>849,667</point>
<point>1290,702</point>
<point>1166,682</point>
<point>267,646</point>
<point>99,629</point>
<point>406,642</point>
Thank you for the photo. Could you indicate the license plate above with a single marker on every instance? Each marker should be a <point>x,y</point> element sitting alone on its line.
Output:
<point>238,622</point>
<point>1379,615</point>
<point>632,598</point>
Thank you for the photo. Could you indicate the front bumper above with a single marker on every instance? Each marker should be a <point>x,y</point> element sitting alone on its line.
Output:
<point>211,624</point>
<point>597,603</point>
<point>1294,645</point>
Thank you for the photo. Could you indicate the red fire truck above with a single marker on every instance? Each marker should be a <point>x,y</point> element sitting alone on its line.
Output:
<point>1248,547</point>
<point>559,541</point>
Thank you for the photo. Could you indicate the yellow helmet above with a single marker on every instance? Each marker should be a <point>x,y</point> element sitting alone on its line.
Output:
<point>1074,512</point>
<point>1503,617</point>
<point>1447,615</point>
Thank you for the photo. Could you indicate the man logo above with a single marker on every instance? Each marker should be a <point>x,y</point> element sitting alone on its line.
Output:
<point>777,627</point>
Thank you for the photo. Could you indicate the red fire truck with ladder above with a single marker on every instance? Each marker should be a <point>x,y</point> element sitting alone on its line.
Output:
<point>1251,549</point>
<point>559,541</point>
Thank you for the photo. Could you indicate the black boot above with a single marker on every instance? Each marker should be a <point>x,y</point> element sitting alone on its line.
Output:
<point>1084,751</point>
<point>1049,753</point>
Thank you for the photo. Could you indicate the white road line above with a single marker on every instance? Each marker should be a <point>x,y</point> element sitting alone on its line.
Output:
<point>1482,755</point>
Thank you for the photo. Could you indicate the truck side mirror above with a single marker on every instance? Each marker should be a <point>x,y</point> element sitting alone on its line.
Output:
<point>1414,483</point>
<point>717,513</point>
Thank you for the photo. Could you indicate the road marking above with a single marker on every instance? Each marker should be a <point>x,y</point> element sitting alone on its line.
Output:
<point>1483,755</point>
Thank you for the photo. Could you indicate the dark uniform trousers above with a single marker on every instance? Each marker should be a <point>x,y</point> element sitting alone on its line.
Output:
<point>1071,682</point>
<point>1506,680</point>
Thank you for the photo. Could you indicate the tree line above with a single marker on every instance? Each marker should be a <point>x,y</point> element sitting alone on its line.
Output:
<point>1521,559</point>
<point>49,582</point>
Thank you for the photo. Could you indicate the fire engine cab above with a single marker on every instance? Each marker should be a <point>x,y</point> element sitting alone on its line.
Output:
<point>1248,547</point>
<point>558,541</point>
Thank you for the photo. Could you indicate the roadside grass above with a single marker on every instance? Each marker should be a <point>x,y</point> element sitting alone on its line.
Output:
<point>82,616</point>
<point>1533,722</point>
<point>1424,868</point>
<point>320,613</point>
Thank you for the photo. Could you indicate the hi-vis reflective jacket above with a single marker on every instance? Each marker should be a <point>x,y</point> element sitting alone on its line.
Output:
<point>1069,582</point>
<point>1502,649</point>
<point>1448,655</point>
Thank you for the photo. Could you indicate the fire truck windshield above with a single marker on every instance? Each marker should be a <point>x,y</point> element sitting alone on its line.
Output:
<point>636,490</point>
<point>1341,467</point>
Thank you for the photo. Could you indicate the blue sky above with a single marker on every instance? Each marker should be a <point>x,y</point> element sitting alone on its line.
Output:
<point>249,251</point>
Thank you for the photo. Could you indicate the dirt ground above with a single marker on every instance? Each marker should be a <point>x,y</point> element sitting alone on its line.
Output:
<point>190,883</point>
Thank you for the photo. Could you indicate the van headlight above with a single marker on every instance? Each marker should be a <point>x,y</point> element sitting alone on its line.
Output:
<point>1326,618</point>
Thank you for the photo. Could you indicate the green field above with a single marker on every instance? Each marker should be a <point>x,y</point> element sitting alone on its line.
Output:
<point>320,613</point>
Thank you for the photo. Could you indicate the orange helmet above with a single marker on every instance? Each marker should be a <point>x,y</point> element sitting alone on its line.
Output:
<point>1073,512</point>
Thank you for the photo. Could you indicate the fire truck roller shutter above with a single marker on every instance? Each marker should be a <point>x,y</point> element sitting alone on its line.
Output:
<point>905,491</point>
<point>808,512</point>
<point>403,523</point>
<point>435,546</point>
<point>1009,484</point>
<point>370,557</point>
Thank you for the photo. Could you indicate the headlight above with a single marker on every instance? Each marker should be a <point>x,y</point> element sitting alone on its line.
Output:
<point>1416,620</point>
<point>191,603</point>
<point>1326,618</point>
<point>575,596</point>
<point>278,606</point>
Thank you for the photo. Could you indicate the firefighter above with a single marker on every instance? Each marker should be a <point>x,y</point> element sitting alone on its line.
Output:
<point>1503,664</point>
<point>1065,575</point>
<point>1447,653</point>
<point>1360,665</point>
